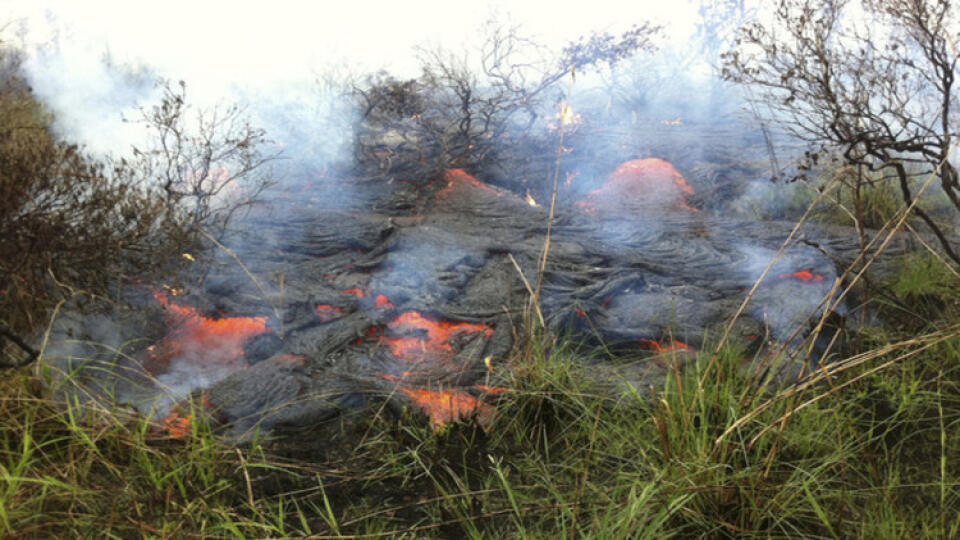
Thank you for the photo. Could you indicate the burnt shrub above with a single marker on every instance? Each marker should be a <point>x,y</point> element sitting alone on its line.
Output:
<point>66,220</point>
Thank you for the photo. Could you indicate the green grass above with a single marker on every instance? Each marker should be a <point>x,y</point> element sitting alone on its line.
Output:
<point>869,450</point>
<point>879,458</point>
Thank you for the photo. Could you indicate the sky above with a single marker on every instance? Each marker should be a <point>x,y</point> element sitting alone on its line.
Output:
<point>281,39</point>
<point>275,50</point>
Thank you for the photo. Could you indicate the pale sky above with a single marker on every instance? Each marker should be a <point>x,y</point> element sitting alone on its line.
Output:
<point>272,49</point>
<point>281,39</point>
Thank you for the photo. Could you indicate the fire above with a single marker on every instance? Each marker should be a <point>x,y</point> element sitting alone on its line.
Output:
<point>437,341</point>
<point>805,276</point>
<point>447,406</point>
<point>649,181</point>
<point>382,302</point>
<point>359,293</point>
<point>531,201</point>
<point>675,122</point>
<point>566,117</point>
<point>661,348</point>
<point>327,313</point>
<point>207,339</point>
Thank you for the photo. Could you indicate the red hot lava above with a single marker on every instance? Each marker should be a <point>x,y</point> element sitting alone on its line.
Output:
<point>437,341</point>
<point>203,339</point>
<point>805,276</point>
<point>458,179</point>
<point>649,182</point>
<point>662,348</point>
<point>445,407</point>
<point>327,313</point>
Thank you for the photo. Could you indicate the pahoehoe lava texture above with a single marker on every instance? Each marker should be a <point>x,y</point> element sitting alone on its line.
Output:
<point>378,293</point>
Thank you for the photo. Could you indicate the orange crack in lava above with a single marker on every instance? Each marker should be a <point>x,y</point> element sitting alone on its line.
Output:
<point>648,181</point>
<point>439,334</point>
<point>356,292</point>
<point>805,276</point>
<point>447,406</point>
<point>327,313</point>
<point>215,340</point>
<point>458,178</point>
<point>660,348</point>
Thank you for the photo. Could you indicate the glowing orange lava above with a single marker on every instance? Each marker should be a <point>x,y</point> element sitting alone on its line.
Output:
<point>437,341</point>
<point>805,276</point>
<point>327,313</point>
<point>493,390</point>
<point>661,348</point>
<point>359,293</point>
<point>177,425</point>
<point>212,340</point>
<point>649,181</point>
<point>447,406</point>
<point>382,302</point>
<point>458,180</point>
<point>178,421</point>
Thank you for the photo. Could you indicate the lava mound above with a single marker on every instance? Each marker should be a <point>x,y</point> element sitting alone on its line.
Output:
<point>412,292</point>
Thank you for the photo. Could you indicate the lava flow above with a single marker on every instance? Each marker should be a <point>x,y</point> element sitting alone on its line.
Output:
<point>177,422</point>
<point>327,313</point>
<point>662,348</point>
<point>650,182</point>
<point>437,340</point>
<point>447,406</point>
<point>458,179</point>
<point>204,340</point>
<point>805,276</point>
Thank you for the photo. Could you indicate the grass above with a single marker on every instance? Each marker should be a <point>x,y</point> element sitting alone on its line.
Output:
<point>879,458</point>
<point>869,448</point>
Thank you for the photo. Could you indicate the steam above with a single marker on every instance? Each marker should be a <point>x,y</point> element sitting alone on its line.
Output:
<point>95,65</point>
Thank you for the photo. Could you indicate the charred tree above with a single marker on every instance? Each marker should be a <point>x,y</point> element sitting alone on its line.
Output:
<point>872,80</point>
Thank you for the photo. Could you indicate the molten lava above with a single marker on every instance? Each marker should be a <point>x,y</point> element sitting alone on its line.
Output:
<point>382,302</point>
<point>805,276</point>
<point>177,424</point>
<point>459,181</point>
<point>649,182</point>
<point>327,313</point>
<point>359,293</point>
<point>447,406</point>
<point>661,348</point>
<point>437,340</point>
<point>199,338</point>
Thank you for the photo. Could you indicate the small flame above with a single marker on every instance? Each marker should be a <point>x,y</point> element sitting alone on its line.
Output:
<point>568,117</point>
<point>675,122</point>
<point>531,201</point>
